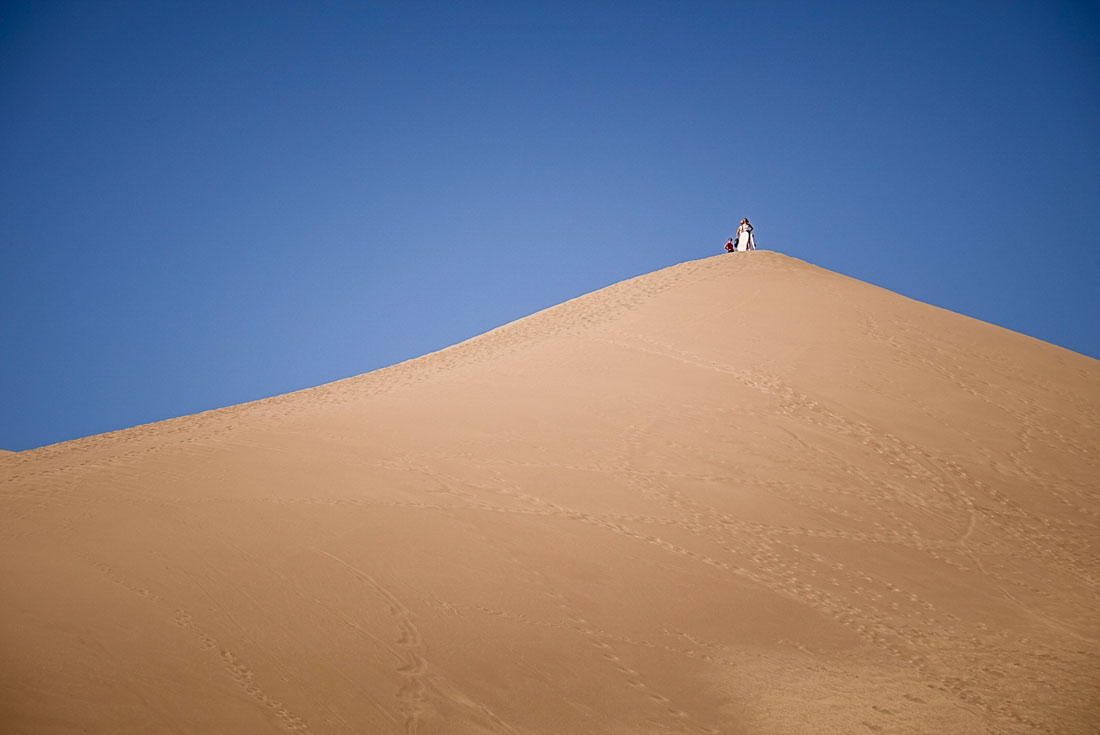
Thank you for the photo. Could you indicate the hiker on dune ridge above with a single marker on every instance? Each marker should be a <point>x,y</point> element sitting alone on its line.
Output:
<point>745,240</point>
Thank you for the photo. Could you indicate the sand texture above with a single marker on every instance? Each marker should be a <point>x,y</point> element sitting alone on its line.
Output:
<point>738,495</point>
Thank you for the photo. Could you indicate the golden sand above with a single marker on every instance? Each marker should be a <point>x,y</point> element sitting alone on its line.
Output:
<point>738,495</point>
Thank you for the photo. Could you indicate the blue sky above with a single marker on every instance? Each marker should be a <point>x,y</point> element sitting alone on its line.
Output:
<point>210,203</point>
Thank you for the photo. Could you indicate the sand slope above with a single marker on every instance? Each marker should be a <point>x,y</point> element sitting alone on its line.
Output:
<point>739,495</point>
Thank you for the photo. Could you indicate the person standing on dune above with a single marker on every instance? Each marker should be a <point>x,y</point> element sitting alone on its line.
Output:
<point>745,240</point>
<point>730,247</point>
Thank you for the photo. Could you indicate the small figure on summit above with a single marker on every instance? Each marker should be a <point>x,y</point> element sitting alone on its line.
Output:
<point>745,240</point>
<point>730,246</point>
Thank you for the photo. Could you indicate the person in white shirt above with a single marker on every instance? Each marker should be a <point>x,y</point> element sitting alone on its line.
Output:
<point>745,240</point>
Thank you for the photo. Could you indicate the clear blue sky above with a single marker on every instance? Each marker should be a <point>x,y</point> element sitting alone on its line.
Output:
<point>204,203</point>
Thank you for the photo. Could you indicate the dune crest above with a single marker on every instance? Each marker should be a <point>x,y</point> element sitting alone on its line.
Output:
<point>738,495</point>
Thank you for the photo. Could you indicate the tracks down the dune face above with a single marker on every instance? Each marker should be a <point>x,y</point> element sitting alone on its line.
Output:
<point>737,495</point>
<point>408,647</point>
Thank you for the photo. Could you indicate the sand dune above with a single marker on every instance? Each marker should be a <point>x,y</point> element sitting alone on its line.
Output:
<point>739,495</point>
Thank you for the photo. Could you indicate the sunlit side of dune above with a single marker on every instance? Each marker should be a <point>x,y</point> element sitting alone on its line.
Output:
<point>739,495</point>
